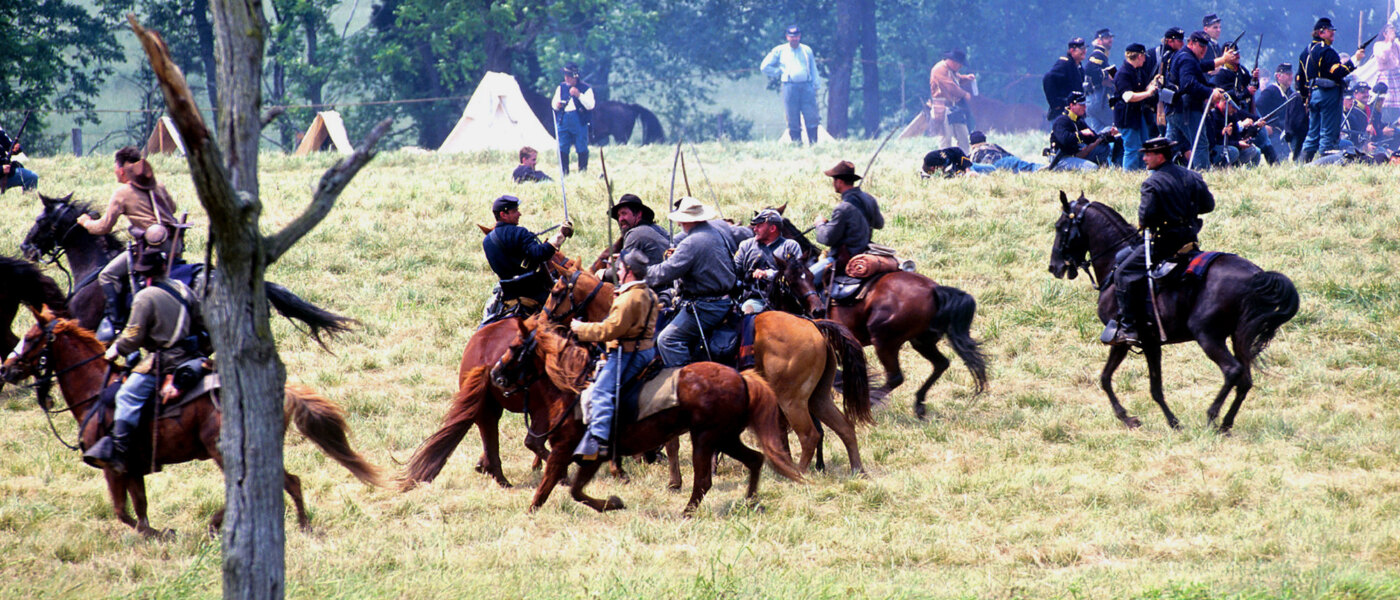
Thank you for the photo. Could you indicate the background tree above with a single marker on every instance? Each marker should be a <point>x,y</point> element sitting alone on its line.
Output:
<point>225,178</point>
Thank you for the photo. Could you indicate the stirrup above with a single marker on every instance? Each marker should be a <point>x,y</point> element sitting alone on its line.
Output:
<point>591,448</point>
<point>1115,334</point>
<point>106,330</point>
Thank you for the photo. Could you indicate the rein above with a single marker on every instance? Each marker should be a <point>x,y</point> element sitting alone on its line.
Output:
<point>576,307</point>
<point>1079,260</point>
<point>43,385</point>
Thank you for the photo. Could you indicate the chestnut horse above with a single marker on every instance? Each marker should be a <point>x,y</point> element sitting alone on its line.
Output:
<point>715,404</point>
<point>1237,301</point>
<point>896,308</point>
<point>59,349</point>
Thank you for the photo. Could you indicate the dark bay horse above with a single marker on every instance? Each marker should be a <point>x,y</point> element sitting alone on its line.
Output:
<point>57,349</point>
<point>1238,302</point>
<point>615,120</point>
<point>56,235</point>
<point>21,283</point>
<point>896,308</point>
<point>715,405</point>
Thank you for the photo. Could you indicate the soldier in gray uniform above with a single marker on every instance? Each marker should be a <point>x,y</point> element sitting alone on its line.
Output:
<point>755,261</point>
<point>163,324</point>
<point>852,223</point>
<point>703,264</point>
<point>640,233</point>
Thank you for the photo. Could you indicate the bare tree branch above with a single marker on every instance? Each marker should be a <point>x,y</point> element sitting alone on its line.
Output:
<point>332,184</point>
<point>272,113</point>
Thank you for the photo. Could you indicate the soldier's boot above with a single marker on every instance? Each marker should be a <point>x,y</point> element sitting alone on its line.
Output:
<point>1123,330</point>
<point>582,162</point>
<point>1270,155</point>
<point>1308,156</point>
<point>592,448</point>
<point>112,321</point>
<point>811,135</point>
<point>110,452</point>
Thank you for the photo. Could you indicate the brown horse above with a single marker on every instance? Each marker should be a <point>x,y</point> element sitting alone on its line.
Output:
<point>22,283</point>
<point>1237,301</point>
<point>715,404</point>
<point>478,403</point>
<point>895,308</point>
<point>58,349</point>
<point>796,356</point>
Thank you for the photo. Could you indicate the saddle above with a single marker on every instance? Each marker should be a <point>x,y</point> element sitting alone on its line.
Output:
<point>864,269</point>
<point>726,342</point>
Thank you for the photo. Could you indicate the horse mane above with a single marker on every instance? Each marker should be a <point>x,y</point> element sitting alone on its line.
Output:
<point>109,241</point>
<point>36,289</point>
<point>83,336</point>
<point>1116,220</point>
<point>564,362</point>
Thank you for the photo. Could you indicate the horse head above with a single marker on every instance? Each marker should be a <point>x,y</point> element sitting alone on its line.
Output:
<point>1067,255</point>
<point>796,283</point>
<point>32,357</point>
<point>517,368</point>
<point>573,295</point>
<point>51,229</point>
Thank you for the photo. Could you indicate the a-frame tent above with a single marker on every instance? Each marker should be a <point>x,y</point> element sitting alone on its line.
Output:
<point>326,126</point>
<point>497,118</point>
<point>165,139</point>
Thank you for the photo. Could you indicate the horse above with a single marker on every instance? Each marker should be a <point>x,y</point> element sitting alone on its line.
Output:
<point>797,358</point>
<point>56,235</point>
<point>478,403</point>
<point>1237,301</point>
<point>895,308</point>
<point>59,349</point>
<point>715,404</point>
<point>615,120</point>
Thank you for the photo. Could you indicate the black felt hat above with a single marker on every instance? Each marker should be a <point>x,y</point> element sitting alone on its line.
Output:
<point>1323,23</point>
<point>633,202</point>
<point>1159,145</point>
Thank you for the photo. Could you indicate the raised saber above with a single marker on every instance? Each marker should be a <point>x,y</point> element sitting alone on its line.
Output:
<point>871,164</point>
<point>671,203</point>
<point>713,198</point>
<point>563,167</point>
<point>603,158</point>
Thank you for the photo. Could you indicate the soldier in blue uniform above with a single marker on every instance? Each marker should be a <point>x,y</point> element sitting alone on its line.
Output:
<point>1321,77</point>
<point>1098,73</point>
<point>518,258</point>
<point>573,107</point>
<point>1066,76</point>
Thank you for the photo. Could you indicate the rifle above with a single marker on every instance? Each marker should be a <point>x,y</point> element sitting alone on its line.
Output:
<point>7,153</point>
<point>1254,73</point>
<point>1151,284</point>
<point>1160,74</point>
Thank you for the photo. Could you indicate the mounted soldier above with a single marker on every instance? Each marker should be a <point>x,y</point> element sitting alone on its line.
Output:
<point>852,223</point>
<point>640,233</point>
<point>518,258</point>
<point>628,330</point>
<point>1173,198</point>
<point>703,264</point>
<point>145,203</point>
<point>165,323</point>
<point>756,260</point>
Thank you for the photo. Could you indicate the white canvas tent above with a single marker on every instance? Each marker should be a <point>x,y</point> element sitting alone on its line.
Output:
<point>326,126</point>
<point>918,127</point>
<point>165,139</point>
<point>822,135</point>
<point>497,118</point>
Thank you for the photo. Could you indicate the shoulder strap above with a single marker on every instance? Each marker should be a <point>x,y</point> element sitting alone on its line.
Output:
<point>182,323</point>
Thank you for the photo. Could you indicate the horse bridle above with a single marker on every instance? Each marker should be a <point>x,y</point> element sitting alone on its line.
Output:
<point>526,373</point>
<point>575,308</point>
<point>55,252</point>
<point>45,375</point>
<point>1084,259</point>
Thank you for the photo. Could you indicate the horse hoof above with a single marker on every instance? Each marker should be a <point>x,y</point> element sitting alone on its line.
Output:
<point>1174,424</point>
<point>920,412</point>
<point>1226,432</point>
<point>1132,422</point>
<point>613,503</point>
<point>674,486</point>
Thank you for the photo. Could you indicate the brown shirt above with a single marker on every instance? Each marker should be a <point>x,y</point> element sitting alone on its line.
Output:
<point>632,320</point>
<point>158,322</point>
<point>944,86</point>
<point>136,204</point>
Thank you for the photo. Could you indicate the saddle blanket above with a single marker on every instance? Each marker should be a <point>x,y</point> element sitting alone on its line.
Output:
<point>656,395</point>
<point>1201,263</point>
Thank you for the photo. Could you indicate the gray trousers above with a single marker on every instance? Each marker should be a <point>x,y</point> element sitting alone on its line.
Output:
<point>800,105</point>
<point>116,271</point>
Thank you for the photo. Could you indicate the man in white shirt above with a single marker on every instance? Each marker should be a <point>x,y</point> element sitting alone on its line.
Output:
<point>573,106</point>
<point>795,66</point>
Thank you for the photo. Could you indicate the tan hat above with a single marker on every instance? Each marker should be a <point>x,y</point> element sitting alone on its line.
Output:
<point>690,210</point>
<point>140,175</point>
<point>843,170</point>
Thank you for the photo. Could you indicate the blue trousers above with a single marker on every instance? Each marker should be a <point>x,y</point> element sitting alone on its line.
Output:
<point>1181,128</point>
<point>572,133</point>
<point>1074,163</point>
<point>800,105</point>
<point>682,336</point>
<point>134,394</point>
<point>21,178</point>
<point>1099,115</point>
<point>1016,165</point>
<point>620,368</point>
<point>1324,121</point>
<point>1134,134</point>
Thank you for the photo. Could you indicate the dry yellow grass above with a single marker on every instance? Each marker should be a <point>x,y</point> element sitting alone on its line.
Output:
<point>1032,490</point>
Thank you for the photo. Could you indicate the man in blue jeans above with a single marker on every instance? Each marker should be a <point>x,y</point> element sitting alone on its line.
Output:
<point>794,65</point>
<point>1193,95</point>
<point>1320,79</point>
<point>628,330</point>
<point>703,263</point>
<point>573,105</point>
<point>12,173</point>
<point>1137,90</point>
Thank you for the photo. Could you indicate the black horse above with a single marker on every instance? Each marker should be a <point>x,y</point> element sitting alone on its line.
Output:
<point>22,283</point>
<point>1237,301</point>
<point>56,235</point>
<point>611,120</point>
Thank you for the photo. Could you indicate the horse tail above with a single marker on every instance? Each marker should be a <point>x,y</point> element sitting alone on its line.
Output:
<point>1271,301</point>
<point>652,133</point>
<point>764,420</point>
<point>954,317</point>
<point>429,458</point>
<point>318,319</point>
<point>855,379</point>
<point>323,422</point>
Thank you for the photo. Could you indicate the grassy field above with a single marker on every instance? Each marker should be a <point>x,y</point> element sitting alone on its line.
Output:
<point>1032,490</point>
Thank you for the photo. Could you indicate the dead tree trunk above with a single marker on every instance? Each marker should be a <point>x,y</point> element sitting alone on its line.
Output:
<point>225,179</point>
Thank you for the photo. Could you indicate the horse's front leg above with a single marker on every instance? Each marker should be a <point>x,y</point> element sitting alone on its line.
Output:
<point>1115,357</point>
<point>556,465</point>
<point>585,473</point>
<point>1153,354</point>
<point>116,488</point>
<point>136,487</point>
